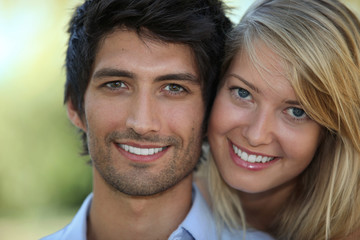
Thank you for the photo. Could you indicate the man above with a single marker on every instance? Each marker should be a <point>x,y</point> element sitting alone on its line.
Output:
<point>140,80</point>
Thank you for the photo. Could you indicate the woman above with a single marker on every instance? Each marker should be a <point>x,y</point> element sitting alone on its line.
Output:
<point>285,126</point>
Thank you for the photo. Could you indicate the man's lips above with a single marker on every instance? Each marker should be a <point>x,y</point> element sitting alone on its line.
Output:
<point>144,151</point>
<point>141,153</point>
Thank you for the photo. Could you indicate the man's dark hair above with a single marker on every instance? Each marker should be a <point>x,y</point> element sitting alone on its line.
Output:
<point>199,24</point>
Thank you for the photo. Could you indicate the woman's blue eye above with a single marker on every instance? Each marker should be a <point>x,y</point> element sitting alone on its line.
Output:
<point>296,113</point>
<point>243,93</point>
<point>240,93</point>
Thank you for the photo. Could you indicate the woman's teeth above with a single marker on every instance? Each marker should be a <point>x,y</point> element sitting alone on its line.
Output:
<point>251,157</point>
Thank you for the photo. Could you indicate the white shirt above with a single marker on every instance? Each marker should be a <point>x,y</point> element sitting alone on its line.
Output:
<point>199,224</point>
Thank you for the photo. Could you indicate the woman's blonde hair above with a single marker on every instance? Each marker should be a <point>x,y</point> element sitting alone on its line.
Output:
<point>319,44</point>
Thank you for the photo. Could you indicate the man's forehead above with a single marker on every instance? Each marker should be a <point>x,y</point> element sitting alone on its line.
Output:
<point>126,50</point>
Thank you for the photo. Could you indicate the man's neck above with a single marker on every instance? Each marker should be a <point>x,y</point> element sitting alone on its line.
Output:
<point>114,215</point>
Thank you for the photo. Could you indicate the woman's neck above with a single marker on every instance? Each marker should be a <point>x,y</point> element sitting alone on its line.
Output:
<point>261,209</point>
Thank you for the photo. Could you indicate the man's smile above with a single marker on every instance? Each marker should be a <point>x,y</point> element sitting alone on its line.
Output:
<point>144,151</point>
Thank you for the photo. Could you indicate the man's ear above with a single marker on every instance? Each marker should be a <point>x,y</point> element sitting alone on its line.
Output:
<point>74,117</point>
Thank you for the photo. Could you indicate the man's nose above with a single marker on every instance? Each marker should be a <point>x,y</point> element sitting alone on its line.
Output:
<point>143,114</point>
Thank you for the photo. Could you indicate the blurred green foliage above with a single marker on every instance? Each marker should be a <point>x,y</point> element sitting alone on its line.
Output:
<point>40,167</point>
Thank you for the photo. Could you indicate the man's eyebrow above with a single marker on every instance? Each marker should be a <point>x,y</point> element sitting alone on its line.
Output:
<point>250,85</point>
<point>179,76</point>
<point>112,72</point>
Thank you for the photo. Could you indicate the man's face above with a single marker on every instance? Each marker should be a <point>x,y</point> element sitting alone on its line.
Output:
<point>143,113</point>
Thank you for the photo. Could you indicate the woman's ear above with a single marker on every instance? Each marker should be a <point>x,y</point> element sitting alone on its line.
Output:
<point>74,117</point>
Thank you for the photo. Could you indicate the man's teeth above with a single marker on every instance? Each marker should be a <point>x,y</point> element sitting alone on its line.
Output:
<point>250,157</point>
<point>141,151</point>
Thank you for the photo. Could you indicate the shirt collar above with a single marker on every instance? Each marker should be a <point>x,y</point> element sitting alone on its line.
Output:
<point>77,228</point>
<point>199,223</point>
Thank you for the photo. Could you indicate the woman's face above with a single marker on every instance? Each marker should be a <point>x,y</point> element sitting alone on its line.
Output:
<point>259,135</point>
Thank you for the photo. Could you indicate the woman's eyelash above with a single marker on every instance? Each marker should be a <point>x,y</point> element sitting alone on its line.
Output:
<point>240,93</point>
<point>296,113</point>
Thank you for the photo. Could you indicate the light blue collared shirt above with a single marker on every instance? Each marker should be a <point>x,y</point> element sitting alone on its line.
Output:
<point>199,224</point>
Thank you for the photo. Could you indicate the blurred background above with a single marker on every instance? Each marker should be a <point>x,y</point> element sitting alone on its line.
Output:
<point>43,179</point>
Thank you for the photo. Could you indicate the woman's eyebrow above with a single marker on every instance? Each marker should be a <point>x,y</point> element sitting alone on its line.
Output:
<point>250,85</point>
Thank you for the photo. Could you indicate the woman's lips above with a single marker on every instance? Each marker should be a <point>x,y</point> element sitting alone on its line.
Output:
<point>250,160</point>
